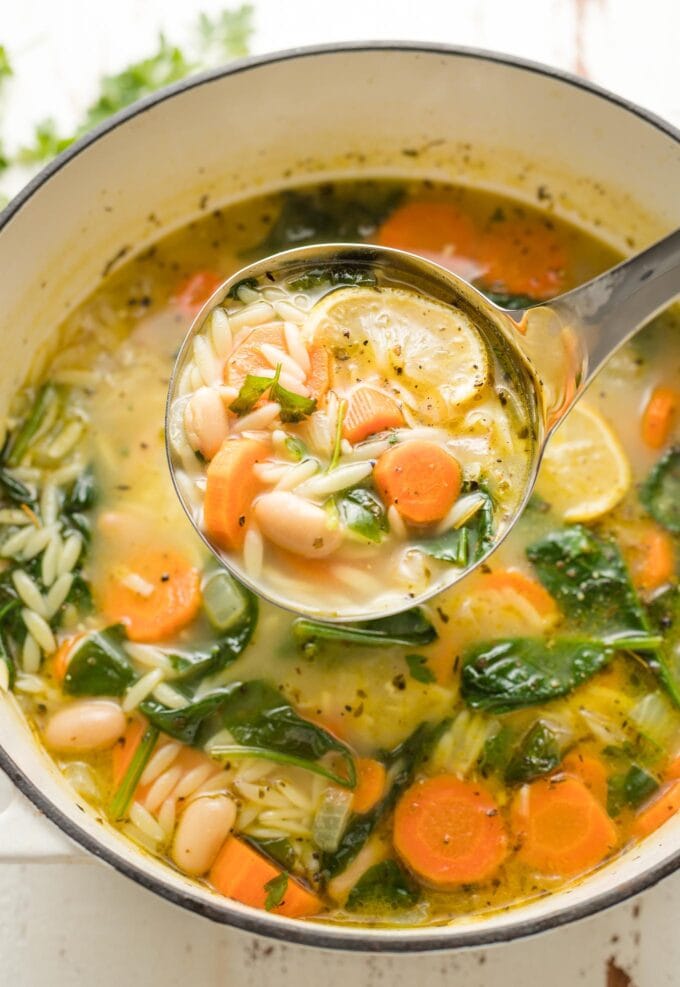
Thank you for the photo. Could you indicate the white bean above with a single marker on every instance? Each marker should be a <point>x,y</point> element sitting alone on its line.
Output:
<point>201,831</point>
<point>85,725</point>
<point>296,525</point>
<point>206,421</point>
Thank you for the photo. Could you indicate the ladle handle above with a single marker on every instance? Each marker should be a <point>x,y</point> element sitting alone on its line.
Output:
<point>567,340</point>
<point>608,310</point>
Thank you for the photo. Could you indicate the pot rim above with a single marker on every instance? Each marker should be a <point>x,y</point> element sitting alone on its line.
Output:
<point>326,936</point>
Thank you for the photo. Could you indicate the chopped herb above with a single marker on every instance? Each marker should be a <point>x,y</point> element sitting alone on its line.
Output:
<point>276,889</point>
<point>318,277</point>
<point>337,440</point>
<point>419,669</point>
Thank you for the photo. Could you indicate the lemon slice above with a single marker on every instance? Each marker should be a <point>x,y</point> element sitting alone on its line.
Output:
<point>430,350</point>
<point>585,471</point>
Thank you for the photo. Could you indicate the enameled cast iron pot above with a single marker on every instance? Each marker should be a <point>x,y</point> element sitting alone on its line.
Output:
<point>299,116</point>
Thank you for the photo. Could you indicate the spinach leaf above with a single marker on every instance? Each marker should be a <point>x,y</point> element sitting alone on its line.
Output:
<point>511,674</point>
<point>252,389</point>
<point>251,283</point>
<point>327,214</point>
<point>401,764</point>
<point>318,277</point>
<point>276,890</point>
<point>629,788</point>
<point>83,494</point>
<point>45,397</point>
<point>191,666</point>
<point>263,725</point>
<point>538,754</point>
<point>279,850</point>
<point>410,628</point>
<point>99,665</point>
<point>419,669</point>
<point>126,790</point>
<point>362,511</point>
<point>384,887</point>
<point>14,489</point>
<point>660,493</point>
<point>664,614</point>
<point>497,752</point>
<point>588,578</point>
<point>466,544</point>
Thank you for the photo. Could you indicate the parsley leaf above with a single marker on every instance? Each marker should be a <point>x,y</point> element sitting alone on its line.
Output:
<point>252,389</point>
<point>276,889</point>
<point>5,65</point>
<point>215,39</point>
<point>294,407</point>
<point>419,669</point>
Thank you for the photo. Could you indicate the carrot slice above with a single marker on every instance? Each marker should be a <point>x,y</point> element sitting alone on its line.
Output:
<point>62,656</point>
<point>231,487</point>
<point>196,290</point>
<point>590,770</point>
<point>563,828</point>
<point>247,357</point>
<point>241,873</point>
<point>532,591</point>
<point>664,804</point>
<point>172,601</point>
<point>673,770</point>
<point>523,255</point>
<point>449,832</point>
<point>124,750</point>
<point>319,377</point>
<point>370,411</point>
<point>438,230</point>
<point>370,785</point>
<point>652,558</point>
<point>657,418</point>
<point>420,478</point>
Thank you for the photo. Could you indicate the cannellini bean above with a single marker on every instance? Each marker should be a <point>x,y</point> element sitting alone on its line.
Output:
<point>202,829</point>
<point>296,525</point>
<point>85,725</point>
<point>206,421</point>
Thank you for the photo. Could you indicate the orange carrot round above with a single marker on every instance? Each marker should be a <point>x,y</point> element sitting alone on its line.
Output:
<point>247,357</point>
<point>435,229</point>
<point>420,478</point>
<point>370,411</point>
<point>673,769</point>
<point>539,598</point>
<point>590,770</point>
<point>241,873</point>
<point>657,418</point>
<point>172,601</point>
<point>196,290</point>
<point>318,379</point>
<point>231,487</point>
<point>523,256</point>
<point>663,804</point>
<point>370,787</point>
<point>449,832</point>
<point>652,558</point>
<point>563,828</point>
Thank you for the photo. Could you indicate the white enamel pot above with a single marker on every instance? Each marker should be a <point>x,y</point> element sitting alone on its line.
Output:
<point>402,109</point>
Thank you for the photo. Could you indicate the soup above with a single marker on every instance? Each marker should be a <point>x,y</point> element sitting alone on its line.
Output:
<point>458,758</point>
<point>345,441</point>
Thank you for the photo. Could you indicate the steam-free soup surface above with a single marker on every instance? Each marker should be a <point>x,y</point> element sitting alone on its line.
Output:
<point>460,758</point>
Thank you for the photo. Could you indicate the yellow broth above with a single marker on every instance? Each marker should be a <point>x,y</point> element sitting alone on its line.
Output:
<point>103,405</point>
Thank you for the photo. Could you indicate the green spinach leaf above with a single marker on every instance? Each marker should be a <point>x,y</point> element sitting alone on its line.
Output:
<point>500,676</point>
<point>384,887</point>
<point>44,399</point>
<point>362,511</point>
<point>194,665</point>
<point>464,545</point>
<point>410,628</point>
<point>538,754</point>
<point>660,493</point>
<point>99,665</point>
<point>504,300</point>
<point>629,788</point>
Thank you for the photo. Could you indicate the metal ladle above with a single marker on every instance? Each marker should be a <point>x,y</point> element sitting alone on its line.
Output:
<point>555,349</point>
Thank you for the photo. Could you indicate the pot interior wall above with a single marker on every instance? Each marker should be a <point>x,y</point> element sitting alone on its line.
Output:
<point>428,113</point>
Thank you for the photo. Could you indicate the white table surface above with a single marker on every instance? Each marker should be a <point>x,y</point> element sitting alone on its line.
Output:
<point>71,921</point>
